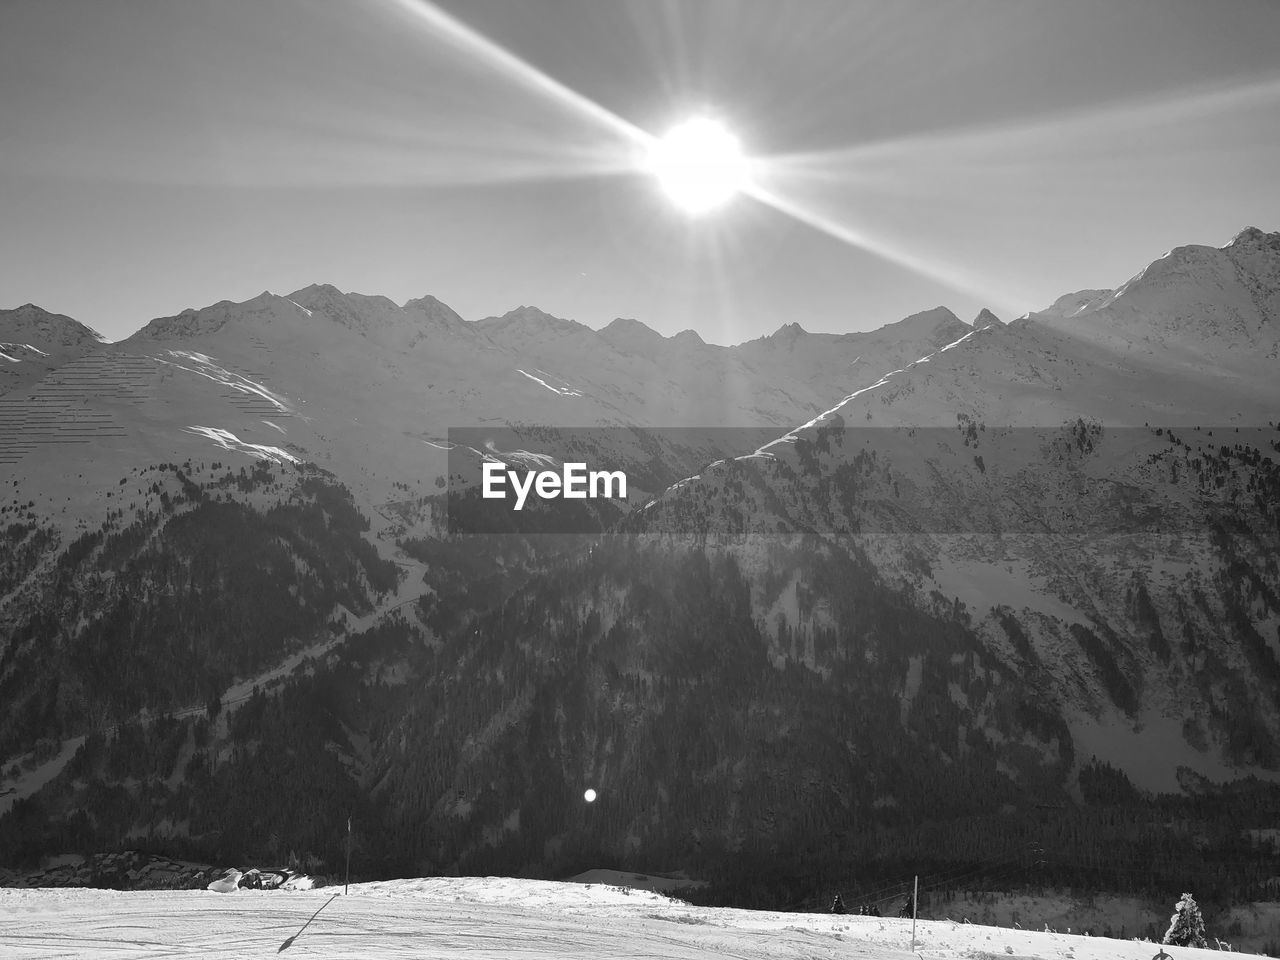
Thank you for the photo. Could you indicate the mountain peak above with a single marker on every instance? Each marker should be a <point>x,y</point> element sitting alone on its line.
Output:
<point>985,318</point>
<point>30,322</point>
<point>938,314</point>
<point>354,311</point>
<point>330,300</point>
<point>34,341</point>
<point>1199,298</point>
<point>316,289</point>
<point>527,321</point>
<point>531,314</point>
<point>629,335</point>
<point>1252,236</point>
<point>630,325</point>
<point>688,338</point>
<point>1071,304</point>
<point>435,309</point>
<point>316,294</point>
<point>927,324</point>
<point>426,302</point>
<point>789,331</point>
<point>30,310</point>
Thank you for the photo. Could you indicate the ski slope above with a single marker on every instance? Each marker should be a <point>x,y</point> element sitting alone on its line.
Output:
<point>492,918</point>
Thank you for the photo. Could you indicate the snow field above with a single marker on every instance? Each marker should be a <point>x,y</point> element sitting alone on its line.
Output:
<point>492,918</point>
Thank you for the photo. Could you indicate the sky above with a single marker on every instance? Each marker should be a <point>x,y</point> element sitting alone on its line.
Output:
<point>163,154</point>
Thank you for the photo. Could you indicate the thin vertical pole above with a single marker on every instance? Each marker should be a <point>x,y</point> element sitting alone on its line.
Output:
<point>915,906</point>
<point>347,885</point>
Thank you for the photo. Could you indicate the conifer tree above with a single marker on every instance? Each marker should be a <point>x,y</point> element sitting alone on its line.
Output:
<point>1186,926</point>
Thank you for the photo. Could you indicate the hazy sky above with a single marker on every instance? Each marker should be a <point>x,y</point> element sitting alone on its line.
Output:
<point>161,154</point>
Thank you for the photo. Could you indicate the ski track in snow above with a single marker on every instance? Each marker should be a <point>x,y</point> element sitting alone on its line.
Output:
<point>793,435</point>
<point>407,590</point>
<point>31,781</point>
<point>494,919</point>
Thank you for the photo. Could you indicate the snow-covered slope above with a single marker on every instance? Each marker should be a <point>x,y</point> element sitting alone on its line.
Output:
<point>369,390</point>
<point>1196,300</point>
<point>34,342</point>
<point>493,918</point>
<point>854,359</point>
<point>1029,473</point>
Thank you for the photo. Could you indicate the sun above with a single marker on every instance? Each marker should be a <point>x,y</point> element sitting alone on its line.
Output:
<point>699,164</point>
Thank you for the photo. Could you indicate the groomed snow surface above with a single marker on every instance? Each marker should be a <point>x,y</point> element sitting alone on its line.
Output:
<point>492,918</point>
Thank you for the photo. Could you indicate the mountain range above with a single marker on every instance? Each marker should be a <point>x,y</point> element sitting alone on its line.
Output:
<point>882,594</point>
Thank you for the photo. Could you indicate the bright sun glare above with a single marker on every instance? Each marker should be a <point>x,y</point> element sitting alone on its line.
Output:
<point>699,164</point>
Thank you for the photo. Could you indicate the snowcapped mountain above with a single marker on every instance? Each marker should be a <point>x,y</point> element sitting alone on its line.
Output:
<point>1093,488</point>
<point>999,555</point>
<point>985,318</point>
<point>34,342</point>
<point>1071,304</point>
<point>1187,340</point>
<point>529,326</point>
<point>854,360</point>
<point>1198,300</point>
<point>369,389</point>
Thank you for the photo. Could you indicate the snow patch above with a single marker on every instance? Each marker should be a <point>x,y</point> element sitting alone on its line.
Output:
<point>564,391</point>
<point>30,781</point>
<point>204,366</point>
<point>527,456</point>
<point>229,441</point>
<point>637,881</point>
<point>1007,582</point>
<point>15,347</point>
<point>1148,751</point>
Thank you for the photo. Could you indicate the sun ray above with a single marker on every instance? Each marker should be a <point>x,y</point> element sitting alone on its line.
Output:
<point>637,147</point>
<point>1127,118</point>
<point>1091,160</point>
<point>530,77</point>
<point>954,277</point>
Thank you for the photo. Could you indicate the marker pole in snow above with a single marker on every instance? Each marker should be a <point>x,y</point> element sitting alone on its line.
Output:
<point>915,905</point>
<point>289,942</point>
<point>347,885</point>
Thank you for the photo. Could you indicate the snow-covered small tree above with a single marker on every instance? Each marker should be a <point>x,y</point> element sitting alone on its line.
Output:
<point>1186,926</point>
